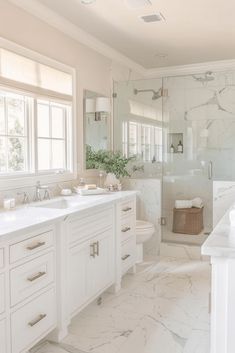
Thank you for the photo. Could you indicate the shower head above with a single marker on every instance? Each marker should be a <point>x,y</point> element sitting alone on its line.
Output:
<point>156,94</point>
<point>208,76</point>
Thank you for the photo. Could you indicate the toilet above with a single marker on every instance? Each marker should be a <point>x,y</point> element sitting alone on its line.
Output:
<point>144,232</point>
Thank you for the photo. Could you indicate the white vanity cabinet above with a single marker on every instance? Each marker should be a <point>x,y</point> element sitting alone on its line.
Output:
<point>51,271</point>
<point>125,238</point>
<point>91,256</point>
<point>27,289</point>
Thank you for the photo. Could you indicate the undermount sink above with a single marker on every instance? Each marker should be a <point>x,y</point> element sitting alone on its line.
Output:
<point>58,204</point>
<point>61,204</point>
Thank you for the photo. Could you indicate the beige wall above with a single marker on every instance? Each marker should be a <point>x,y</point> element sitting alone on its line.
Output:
<point>94,71</point>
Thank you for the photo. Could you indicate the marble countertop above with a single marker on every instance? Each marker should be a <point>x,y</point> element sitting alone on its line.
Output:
<point>221,242</point>
<point>37,214</point>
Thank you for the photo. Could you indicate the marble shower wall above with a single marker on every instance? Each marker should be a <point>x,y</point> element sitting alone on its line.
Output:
<point>148,209</point>
<point>202,109</point>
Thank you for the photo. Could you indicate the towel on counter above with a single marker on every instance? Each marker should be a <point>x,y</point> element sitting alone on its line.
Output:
<point>197,202</point>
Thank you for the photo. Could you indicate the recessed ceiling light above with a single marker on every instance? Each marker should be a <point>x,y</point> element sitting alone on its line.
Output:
<point>155,17</point>
<point>138,3</point>
<point>87,2</point>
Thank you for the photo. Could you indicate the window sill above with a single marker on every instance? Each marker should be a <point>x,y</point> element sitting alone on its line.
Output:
<point>27,181</point>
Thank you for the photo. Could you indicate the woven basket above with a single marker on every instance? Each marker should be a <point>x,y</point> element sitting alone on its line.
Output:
<point>188,220</point>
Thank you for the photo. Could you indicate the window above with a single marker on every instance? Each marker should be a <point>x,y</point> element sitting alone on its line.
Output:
<point>141,139</point>
<point>36,109</point>
<point>13,133</point>
<point>52,123</point>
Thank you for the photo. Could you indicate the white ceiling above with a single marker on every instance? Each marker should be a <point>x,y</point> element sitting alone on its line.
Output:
<point>195,31</point>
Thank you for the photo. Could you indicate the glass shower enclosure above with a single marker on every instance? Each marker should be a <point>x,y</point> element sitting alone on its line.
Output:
<point>181,129</point>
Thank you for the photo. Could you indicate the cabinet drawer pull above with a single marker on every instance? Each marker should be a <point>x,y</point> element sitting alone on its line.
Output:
<point>124,230</point>
<point>92,249</point>
<point>37,276</point>
<point>125,257</point>
<point>35,246</point>
<point>37,320</point>
<point>97,248</point>
<point>127,209</point>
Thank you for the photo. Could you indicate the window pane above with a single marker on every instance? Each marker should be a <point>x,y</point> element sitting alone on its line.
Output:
<point>2,116</point>
<point>43,120</point>
<point>16,115</point>
<point>57,116</point>
<point>58,154</point>
<point>44,154</point>
<point>2,154</point>
<point>16,154</point>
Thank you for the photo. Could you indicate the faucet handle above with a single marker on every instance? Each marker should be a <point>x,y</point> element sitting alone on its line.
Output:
<point>47,195</point>
<point>25,196</point>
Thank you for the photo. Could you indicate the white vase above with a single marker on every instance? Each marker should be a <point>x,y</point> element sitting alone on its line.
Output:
<point>111,179</point>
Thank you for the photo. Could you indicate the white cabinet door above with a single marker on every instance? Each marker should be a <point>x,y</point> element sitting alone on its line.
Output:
<point>101,263</point>
<point>78,260</point>
<point>3,340</point>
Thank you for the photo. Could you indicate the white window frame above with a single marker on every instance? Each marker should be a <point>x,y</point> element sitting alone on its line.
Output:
<point>13,181</point>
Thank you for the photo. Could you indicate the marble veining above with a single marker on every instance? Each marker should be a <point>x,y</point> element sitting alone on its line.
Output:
<point>163,308</point>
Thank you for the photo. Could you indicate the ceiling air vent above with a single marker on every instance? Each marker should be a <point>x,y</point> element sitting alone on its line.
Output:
<point>138,3</point>
<point>155,17</point>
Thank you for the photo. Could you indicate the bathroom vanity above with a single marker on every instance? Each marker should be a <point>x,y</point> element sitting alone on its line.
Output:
<point>58,256</point>
<point>220,246</point>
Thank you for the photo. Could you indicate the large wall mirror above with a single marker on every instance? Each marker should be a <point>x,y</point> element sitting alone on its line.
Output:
<point>97,122</point>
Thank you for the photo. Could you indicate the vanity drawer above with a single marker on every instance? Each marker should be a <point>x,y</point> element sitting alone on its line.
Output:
<point>31,277</point>
<point>31,246</point>
<point>127,228</point>
<point>84,227</point>
<point>127,207</point>
<point>31,322</point>
<point>1,258</point>
<point>128,254</point>
<point>2,293</point>
<point>3,337</point>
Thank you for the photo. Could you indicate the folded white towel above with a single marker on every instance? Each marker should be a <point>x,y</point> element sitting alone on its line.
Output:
<point>183,204</point>
<point>197,202</point>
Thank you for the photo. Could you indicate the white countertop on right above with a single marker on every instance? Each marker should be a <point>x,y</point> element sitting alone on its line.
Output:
<point>221,242</point>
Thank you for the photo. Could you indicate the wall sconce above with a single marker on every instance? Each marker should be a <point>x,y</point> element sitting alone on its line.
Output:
<point>102,106</point>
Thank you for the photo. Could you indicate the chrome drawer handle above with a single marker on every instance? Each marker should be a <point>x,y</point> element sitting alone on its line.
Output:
<point>35,246</point>
<point>127,209</point>
<point>37,276</point>
<point>37,320</point>
<point>124,230</point>
<point>97,248</point>
<point>125,257</point>
<point>92,249</point>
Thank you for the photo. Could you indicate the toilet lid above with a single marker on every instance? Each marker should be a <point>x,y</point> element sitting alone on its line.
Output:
<point>143,225</point>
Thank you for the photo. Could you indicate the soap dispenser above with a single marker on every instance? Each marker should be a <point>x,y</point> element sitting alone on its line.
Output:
<point>172,148</point>
<point>180,147</point>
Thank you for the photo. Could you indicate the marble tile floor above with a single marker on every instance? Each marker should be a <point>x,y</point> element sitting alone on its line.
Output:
<point>161,309</point>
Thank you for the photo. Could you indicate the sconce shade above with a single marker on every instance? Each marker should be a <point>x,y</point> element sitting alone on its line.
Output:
<point>90,105</point>
<point>102,104</point>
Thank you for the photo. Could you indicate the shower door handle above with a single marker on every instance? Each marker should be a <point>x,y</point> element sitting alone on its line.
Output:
<point>210,170</point>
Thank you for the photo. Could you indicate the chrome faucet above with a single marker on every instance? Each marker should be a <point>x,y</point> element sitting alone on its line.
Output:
<point>40,187</point>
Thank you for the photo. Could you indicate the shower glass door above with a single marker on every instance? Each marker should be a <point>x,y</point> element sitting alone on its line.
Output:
<point>199,113</point>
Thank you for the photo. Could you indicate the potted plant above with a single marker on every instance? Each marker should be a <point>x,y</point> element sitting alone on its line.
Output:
<point>113,163</point>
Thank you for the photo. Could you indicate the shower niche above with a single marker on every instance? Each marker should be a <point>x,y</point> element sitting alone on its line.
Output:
<point>174,139</point>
